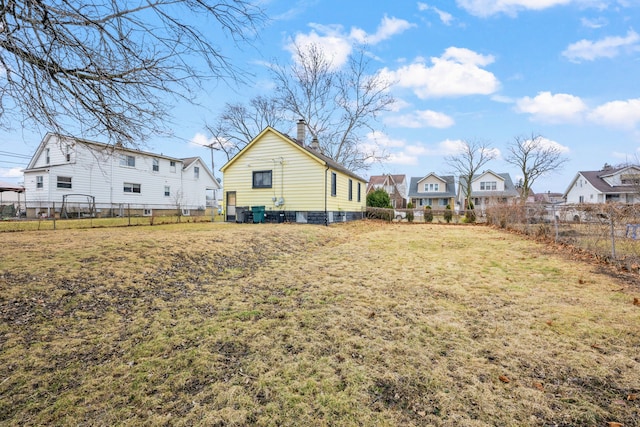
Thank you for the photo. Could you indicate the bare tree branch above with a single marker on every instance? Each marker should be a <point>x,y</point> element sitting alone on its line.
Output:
<point>338,106</point>
<point>110,67</point>
<point>239,124</point>
<point>472,157</point>
<point>534,157</point>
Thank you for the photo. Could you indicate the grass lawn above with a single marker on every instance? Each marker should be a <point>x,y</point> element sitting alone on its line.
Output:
<point>365,323</point>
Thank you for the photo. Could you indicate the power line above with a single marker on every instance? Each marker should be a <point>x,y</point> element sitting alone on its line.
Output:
<point>18,155</point>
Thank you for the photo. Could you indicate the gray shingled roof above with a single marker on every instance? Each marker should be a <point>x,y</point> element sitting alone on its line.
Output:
<point>509,189</point>
<point>450,190</point>
<point>595,179</point>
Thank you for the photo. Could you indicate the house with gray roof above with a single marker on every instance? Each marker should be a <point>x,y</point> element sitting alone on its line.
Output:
<point>610,184</point>
<point>432,190</point>
<point>394,185</point>
<point>487,189</point>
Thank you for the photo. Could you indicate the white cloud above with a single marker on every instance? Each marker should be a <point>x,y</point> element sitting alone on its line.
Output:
<point>622,114</point>
<point>609,47</point>
<point>552,108</point>
<point>445,17</point>
<point>422,119</point>
<point>484,8</point>
<point>383,140</point>
<point>548,143</point>
<point>402,158</point>
<point>333,40</point>
<point>457,72</point>
<point>11,173</point>
<point>389,27</point>
<point>593,23</point>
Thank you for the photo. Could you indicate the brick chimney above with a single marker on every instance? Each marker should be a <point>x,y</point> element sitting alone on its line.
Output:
<point>301,131</point>
<point>315,145</point>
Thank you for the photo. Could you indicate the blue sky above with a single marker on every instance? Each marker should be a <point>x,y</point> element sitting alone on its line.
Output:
<point>568,70</point>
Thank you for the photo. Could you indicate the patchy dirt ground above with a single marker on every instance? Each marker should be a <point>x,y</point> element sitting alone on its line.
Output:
<point>356,324</point>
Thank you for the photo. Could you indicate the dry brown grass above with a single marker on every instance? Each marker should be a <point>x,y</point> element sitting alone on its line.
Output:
<point>355,324</point>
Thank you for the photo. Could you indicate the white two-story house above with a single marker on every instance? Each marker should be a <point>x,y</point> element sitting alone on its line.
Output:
<point>70,176</point>
<point>611,184</point>
<point>487,189</point>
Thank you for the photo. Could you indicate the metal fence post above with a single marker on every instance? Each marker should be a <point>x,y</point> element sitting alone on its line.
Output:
<point>613,234</point>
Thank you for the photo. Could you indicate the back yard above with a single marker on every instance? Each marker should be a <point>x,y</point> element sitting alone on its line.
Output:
<point>275,324</point>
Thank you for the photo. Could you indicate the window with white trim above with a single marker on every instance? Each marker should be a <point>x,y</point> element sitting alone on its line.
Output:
<point>128,161</point>
<point>156,165</point>
<point>39,181</point>
<point>63,182</point>
<point>167,191</point>
<point>196,172</point>
<point>172,166</point>
<point>488,185</point>
<point>130,187</point>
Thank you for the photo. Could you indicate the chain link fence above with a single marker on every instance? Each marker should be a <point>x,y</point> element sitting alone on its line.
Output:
<point>609,231</point>
<point>87,215</point>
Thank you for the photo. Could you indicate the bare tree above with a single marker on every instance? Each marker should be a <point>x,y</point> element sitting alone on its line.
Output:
<point>337,105</point>
<point>534,156</point>
<point>106,67</point>
<point>473,156</point>
<point>239,124</point>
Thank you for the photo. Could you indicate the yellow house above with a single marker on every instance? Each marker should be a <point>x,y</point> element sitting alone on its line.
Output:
<point>275,178</point>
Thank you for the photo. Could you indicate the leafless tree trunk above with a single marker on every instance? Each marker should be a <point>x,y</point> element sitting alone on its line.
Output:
<point>106,67</point>
<point>534,158</point>
<point>473,156</point>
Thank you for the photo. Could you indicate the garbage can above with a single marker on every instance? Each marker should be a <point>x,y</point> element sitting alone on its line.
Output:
<point>258,214</point>
<point>240,214</point>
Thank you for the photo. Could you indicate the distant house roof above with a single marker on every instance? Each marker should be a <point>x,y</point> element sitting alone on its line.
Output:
<point>450,187</point>
<point>375,180</point>
<point>7,186</point>
<point>596,178</point>
<point>509,189</point>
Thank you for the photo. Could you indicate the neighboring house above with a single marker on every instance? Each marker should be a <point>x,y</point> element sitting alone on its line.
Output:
<point>394,185</point>
<point>487,189</point>
<point>607,185</point>
<point>11,199</point>
<point>82,177</point>
<point>432,190</point>
<point>290,182</point>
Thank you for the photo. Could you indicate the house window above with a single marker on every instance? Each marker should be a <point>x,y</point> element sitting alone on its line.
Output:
<point>334,184</point>
<point>186,212</point>
<point>443,202</point>
<point>196,172</point>
<point>359,192</point>
<point>350,189</point>
<point>47,156</point>
<point>68,155</point>
<point>262,179</point>
<point>431,187</point>
<point>129,161</point>
<point>39,181</point>
<point>172,166</point>
<point>64,182</point>
<point>147,212</point>
<point>488,185</point>
<point>131,188</point>
<point>581,199</point>
<point>167,191</point>
<point>156,165</point>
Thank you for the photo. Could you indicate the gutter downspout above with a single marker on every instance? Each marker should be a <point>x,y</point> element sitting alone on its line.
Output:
<point>326,215</point>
